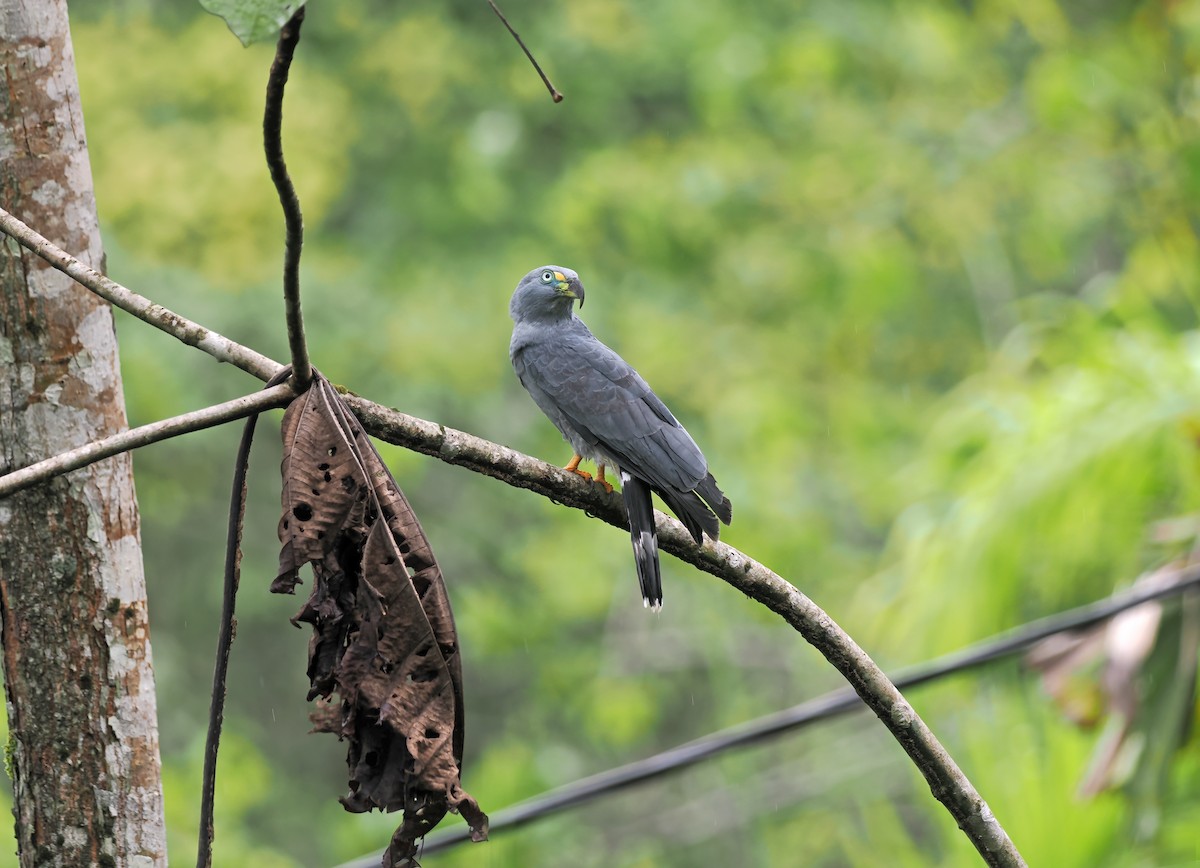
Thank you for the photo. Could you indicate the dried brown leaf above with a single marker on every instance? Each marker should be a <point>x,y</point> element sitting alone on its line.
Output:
<point>325,488</point>
<point>383,632</point>
<point>1131,676</point>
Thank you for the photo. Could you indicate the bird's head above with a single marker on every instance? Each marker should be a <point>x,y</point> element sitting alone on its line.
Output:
<point>546,293</point>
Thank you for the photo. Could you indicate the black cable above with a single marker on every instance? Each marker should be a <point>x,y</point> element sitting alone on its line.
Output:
<point>798,716</point>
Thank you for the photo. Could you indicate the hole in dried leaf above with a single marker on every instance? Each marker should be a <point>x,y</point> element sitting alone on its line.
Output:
<point>367,623</point>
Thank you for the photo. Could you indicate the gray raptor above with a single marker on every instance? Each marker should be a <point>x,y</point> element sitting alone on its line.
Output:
<point>608,414</point>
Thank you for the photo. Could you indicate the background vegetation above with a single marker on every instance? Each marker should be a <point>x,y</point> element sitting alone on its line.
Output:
<point>920,277</point>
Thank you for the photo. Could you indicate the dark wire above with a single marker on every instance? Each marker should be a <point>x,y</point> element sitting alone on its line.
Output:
<point>798,716</point>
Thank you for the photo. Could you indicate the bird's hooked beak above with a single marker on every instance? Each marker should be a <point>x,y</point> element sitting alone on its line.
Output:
<point>568,286</point>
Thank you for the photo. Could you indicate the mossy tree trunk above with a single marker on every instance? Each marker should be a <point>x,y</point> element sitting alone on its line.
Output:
<point>83,742</point>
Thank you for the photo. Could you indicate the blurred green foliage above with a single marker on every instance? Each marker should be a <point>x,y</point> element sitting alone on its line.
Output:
<point>920,277</point>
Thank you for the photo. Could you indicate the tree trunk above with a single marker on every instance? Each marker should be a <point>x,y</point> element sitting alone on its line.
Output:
<point>83,742</point>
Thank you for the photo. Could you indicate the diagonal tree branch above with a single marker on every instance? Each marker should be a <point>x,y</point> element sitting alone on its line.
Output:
<point>194,335</point>
<point>97,450</point>
<point>820,708</point>
<point>946,780</point>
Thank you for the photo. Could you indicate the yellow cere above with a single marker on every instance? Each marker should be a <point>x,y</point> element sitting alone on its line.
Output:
<point>558,275</point>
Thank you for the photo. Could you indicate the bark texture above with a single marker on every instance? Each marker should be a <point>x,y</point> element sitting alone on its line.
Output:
<point>76,650</point>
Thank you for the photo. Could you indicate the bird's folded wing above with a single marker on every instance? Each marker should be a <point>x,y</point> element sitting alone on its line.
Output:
<point>605,399</point>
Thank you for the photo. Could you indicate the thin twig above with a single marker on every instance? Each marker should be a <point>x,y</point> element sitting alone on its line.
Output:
<point>233,573</point>
<point>289,36</point>
<point>555,94</point>
<point>90,453</point>
<point>220,348</point>
<point>832,704</point>
<point>946,780</point>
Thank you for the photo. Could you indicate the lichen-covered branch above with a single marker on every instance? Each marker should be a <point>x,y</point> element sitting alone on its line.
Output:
<point>947,782</point>
<point>219,347</point>
<point>133,438</point>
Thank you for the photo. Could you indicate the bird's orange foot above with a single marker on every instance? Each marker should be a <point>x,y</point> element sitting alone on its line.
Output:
<point>601,481</point>
<point>573,467</point>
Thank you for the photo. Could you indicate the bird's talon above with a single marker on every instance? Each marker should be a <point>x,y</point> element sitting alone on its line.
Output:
<point>573,467</point>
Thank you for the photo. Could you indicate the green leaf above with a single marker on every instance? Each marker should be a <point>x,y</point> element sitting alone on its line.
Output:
<point>253,20</point>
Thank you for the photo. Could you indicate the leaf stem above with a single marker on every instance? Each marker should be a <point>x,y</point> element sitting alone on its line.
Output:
<point>289,36</point>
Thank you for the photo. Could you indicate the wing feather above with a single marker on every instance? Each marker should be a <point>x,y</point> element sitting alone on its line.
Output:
<point>597,392</point>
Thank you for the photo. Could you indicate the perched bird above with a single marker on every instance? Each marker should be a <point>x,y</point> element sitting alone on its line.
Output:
<point>608,414</point>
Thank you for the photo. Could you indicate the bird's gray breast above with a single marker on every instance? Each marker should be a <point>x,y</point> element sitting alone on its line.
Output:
<point>604,409</point>
<point>548,378</point>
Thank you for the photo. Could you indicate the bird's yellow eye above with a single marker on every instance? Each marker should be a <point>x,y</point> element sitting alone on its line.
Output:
<point>547,277</point>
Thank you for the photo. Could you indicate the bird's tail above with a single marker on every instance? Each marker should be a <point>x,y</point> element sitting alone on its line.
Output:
<point>645,541</point>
